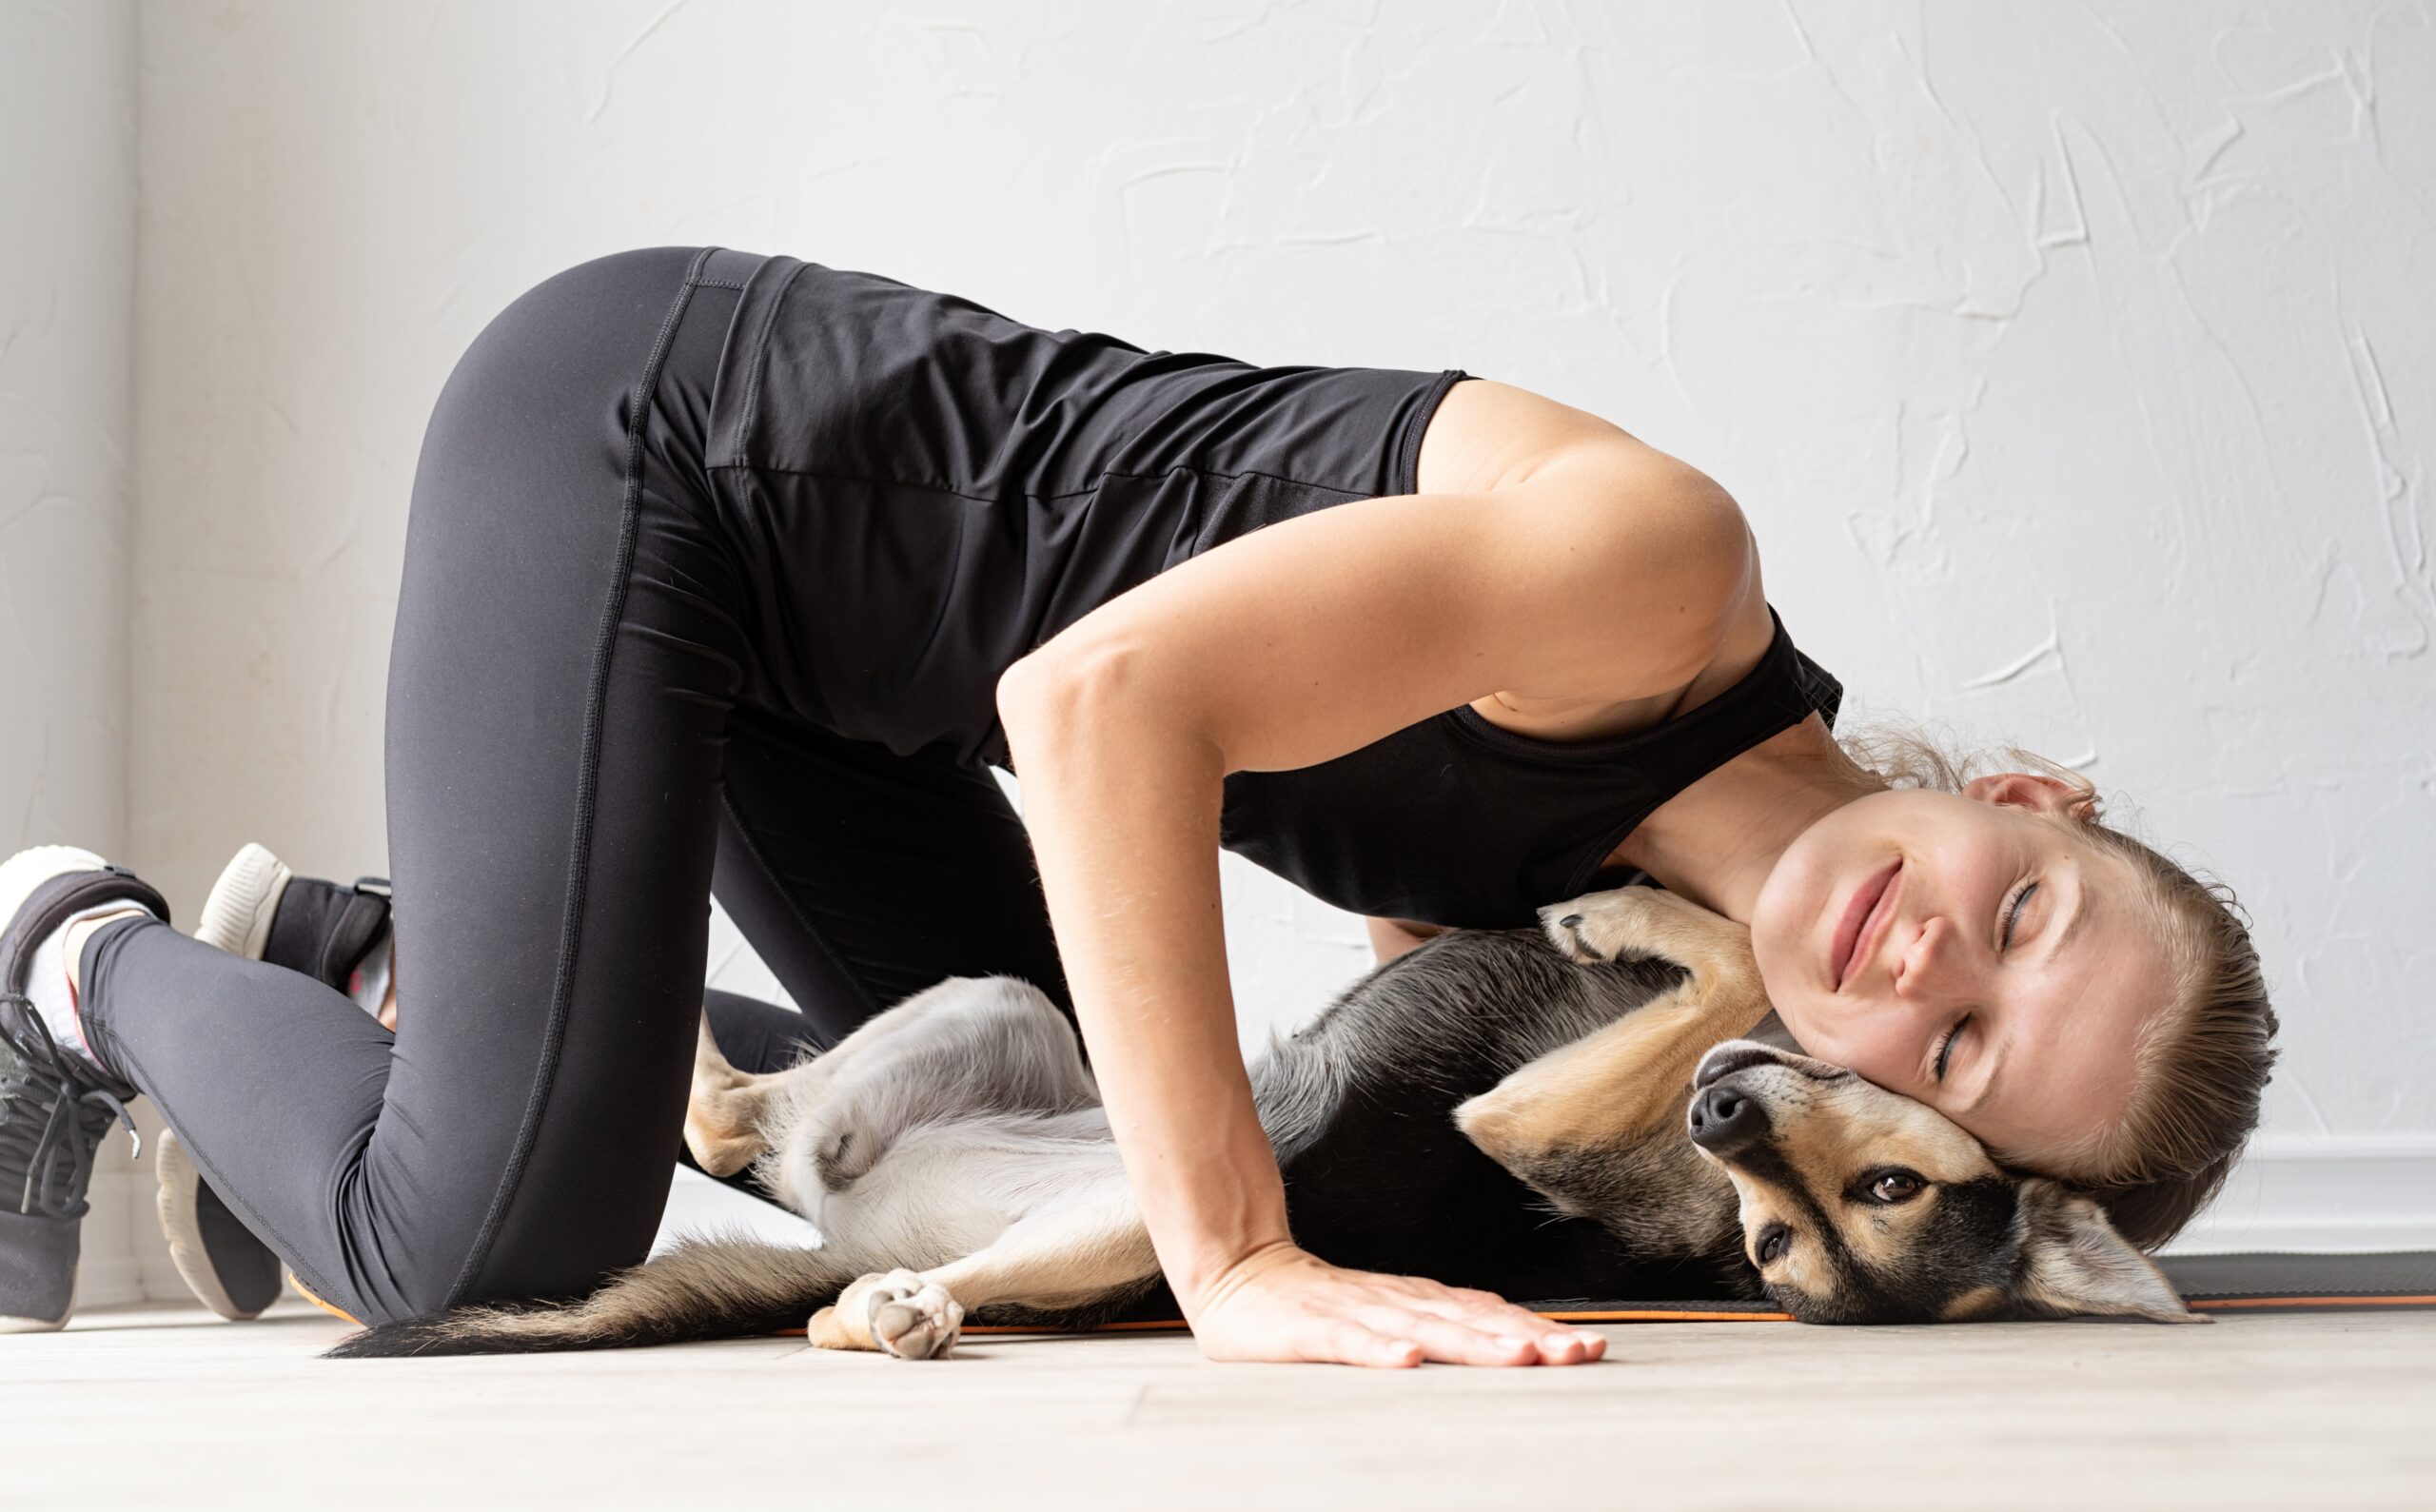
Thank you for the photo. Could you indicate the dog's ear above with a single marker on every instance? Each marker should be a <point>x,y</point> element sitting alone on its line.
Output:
<point>2073,1262</point>
<point>723,1111</point>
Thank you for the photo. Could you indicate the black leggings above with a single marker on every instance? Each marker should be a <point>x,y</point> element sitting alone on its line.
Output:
<point>580,749</point>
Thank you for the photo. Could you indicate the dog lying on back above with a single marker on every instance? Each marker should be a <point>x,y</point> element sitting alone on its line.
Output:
<point>1548,1114</point>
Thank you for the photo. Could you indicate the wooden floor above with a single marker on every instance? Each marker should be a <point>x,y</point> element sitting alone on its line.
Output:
<point>173,1409</point>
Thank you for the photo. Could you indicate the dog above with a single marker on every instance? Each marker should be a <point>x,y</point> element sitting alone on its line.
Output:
<point>1560,1112</point>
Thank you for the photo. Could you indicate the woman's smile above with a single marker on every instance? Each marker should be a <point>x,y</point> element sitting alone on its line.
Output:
<point>1867,915</point>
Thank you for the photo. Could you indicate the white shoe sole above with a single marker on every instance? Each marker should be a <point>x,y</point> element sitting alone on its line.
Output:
<point>30,869</point>
<point>237,915</point>
<point>45,1325</point>
<point>179,1227</point>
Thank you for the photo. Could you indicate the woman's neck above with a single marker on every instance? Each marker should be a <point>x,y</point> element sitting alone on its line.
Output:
<point>1716,841</point>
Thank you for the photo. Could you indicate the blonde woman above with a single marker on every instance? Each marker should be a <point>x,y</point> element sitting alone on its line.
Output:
<point>731,572</point>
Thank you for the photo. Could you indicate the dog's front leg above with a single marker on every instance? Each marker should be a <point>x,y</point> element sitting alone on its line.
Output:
<point>1071,1255</point>
<point>1623,1081</point>
<point>903,1313</point>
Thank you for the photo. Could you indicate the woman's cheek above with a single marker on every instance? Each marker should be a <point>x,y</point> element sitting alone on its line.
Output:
<point>1826,1026</point>
<point>1812,1021</point>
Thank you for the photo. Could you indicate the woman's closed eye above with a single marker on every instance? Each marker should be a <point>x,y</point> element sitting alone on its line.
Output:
<point>2012,915</point>
<point>1945,1046</point>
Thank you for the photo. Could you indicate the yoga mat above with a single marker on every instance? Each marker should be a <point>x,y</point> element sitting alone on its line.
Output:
<point>2258,1281</point>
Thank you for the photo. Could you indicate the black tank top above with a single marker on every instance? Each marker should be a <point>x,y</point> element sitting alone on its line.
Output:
<point>931,489</point>
<point>1459,821</point>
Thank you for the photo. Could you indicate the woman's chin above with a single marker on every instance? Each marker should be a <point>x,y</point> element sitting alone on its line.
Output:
<point>1798,1010</point>
<point>1781,920</point>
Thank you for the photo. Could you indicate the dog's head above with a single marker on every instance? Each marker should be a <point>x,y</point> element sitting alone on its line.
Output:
<point>1860,1205</point>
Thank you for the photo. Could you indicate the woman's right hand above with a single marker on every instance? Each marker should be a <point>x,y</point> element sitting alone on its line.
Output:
<point>1281,1303</point>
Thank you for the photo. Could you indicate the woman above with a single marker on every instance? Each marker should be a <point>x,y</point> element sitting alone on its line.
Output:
<point>730,571</point>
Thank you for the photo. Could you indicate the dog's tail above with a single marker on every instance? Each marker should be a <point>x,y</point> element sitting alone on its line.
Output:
<point>703,1288</point>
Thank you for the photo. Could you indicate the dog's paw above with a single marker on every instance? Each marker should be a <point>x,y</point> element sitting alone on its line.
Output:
<point>895,1313</point>
<point>1619,924</point>
<point>922,1323</point>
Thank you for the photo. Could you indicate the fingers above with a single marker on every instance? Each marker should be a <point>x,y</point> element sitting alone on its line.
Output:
<point>1530,1340</point>
<point>1488,1313</point>
<point>1350,1344</point>
<point>1462,1326</point>
<point>1456,1343</point>
<point>1304,1309</point>
<point>1400,1337</point>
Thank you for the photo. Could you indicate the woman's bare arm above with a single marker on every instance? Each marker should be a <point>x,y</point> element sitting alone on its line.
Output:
<point>1613,571</point>
<point>1389,938</point>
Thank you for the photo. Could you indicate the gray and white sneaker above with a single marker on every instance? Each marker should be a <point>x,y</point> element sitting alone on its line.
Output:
<point>263,911</point>
<point>55,1103</point>
<point>229,1270</point>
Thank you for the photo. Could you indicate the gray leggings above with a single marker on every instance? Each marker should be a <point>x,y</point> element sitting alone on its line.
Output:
<point>577,747</point>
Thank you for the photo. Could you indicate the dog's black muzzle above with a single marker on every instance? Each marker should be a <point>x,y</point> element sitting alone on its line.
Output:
<point>1727,1119</point>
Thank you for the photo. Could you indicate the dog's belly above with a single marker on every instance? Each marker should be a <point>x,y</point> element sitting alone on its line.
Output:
<point>951,1190</point>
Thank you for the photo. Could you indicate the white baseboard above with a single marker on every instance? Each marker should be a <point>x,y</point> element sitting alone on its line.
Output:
<point>2326,1194</point>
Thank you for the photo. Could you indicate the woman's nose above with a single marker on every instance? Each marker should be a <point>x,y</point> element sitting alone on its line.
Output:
<point>1933,967</point>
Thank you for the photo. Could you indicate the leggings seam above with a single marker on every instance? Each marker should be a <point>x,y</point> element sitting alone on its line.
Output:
<point>749,412</point>
<point>803,921</point>
<point>588,776</point>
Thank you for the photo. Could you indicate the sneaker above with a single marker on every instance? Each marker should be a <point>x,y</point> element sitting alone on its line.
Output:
<point>229,1270</point>
<point>55,1104</point>
<point>259,909</point>
<point>263,911</point>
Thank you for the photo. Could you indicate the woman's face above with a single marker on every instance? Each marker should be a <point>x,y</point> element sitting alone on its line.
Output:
<point>1968,952</point>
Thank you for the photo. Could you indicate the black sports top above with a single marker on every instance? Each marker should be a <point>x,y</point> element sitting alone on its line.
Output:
<point>949,488</point>
<point>1456,820</point>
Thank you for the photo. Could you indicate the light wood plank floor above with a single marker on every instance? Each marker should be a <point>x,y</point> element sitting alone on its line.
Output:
<point>172,1409</point>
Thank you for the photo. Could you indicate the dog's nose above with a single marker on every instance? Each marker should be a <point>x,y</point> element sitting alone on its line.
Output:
<point>1725,1121</point>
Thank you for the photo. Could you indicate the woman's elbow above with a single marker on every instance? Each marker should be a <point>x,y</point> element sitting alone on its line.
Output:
<point>1104,690</point>
<point>1066,673</point>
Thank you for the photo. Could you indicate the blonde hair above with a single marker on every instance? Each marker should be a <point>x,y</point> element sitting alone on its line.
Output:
<point>2202,1059</point>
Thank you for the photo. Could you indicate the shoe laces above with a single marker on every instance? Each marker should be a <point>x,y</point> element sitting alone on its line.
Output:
<point>54,1108</point>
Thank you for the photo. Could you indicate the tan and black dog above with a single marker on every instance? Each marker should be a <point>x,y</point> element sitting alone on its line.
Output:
<point>1544,1113</point>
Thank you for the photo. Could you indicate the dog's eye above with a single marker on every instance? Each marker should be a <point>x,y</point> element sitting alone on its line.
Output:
<point>1895,1186</point>
<point>1773,1242</point>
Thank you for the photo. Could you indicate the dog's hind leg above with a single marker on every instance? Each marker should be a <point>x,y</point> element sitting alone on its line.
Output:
<point>724,1109</point>
<point>965,1043</point>
<point>968,1047</point>
<point>1071,1255</point>
<point>1622,1082</point>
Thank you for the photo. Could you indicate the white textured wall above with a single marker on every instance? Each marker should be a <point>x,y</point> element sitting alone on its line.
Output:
<point>67,135</point>
<point>2075,363</point>
<point>67,417</point>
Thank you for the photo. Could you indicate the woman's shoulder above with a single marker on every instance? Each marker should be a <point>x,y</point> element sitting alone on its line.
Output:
<point>1485,436</point>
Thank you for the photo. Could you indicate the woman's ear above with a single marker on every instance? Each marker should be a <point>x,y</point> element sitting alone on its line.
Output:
<point>2029,790</point>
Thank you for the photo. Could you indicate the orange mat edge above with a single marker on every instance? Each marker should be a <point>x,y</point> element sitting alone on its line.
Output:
<point>1674,1315</point>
